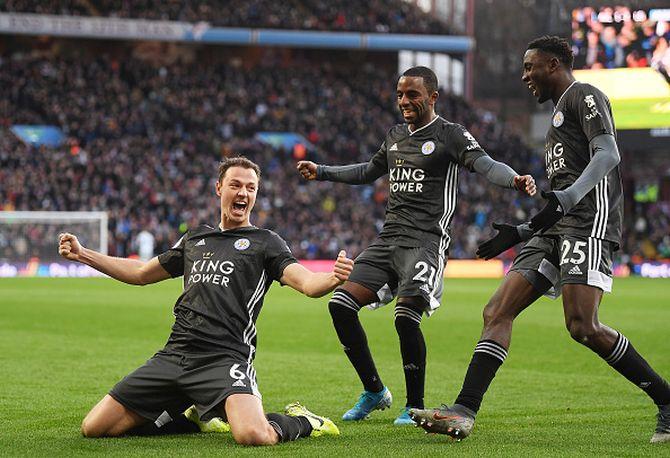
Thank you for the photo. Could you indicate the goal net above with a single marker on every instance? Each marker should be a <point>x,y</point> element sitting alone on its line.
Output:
<point>29,241</point>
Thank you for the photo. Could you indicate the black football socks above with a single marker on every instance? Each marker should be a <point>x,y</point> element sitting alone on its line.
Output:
<point>289,428</point>
<point>413,351</point>
<point>486,359</point>
<point>628,362</point>
<point>344,312</point>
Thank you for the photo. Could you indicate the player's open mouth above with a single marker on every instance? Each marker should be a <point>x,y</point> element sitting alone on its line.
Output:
<point>532,89</point>
<point>239,207</point>
<point>407,113</point>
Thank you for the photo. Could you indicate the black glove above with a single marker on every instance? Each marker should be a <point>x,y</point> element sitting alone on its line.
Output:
<point>549,215</point>
<point>506,238</point>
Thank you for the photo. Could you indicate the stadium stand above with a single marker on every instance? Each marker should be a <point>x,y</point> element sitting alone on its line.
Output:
<point>395,16</point>
<point>144,135</point>
<point>143,139</point>
<point>622,41</point>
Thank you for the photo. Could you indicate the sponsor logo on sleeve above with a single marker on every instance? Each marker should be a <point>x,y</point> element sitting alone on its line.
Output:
<point>473,142</point>
<point>592,108</point>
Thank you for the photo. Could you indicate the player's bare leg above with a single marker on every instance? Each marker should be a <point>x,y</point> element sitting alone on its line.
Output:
<point>251,426</point>
<point>344,306</point>
<point>580,305</point>
<point>248,422</point>
<point>513,296</point>
<point>110,418</point>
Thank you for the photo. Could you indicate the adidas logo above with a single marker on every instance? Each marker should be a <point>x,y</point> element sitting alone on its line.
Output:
<point>575,271</point>
<point>239,383</point>
<point>394,147</point>
<point>313,417</point>
<point>201,242</point>
<point>425,288</point>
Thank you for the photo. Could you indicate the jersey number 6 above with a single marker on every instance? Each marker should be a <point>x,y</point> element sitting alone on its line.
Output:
<point>236,373</point>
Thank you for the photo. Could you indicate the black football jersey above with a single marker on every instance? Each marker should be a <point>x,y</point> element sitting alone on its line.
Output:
<point>423,180</point>
<point>226,275</point>
<point>582,113</point>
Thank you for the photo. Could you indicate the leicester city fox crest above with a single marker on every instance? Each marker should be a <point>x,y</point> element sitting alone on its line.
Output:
<point>427,148</point>
<point>557,120</point>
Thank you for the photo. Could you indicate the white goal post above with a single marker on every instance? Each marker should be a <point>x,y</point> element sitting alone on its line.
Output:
<point>31,237</point>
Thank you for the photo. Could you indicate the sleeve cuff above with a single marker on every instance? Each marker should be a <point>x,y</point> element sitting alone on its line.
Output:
<point>565,200</point>
<point>599,132</point>
<point>283,266</point>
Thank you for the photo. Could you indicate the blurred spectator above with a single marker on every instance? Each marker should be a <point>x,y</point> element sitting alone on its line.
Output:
<point>145,242</point>
<point>619,37</point>
<point>145,138</point>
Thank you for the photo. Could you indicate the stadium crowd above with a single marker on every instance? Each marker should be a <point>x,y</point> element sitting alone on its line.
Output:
<point>615,37</point>
<point>395,16</point>
<point>144,140</point>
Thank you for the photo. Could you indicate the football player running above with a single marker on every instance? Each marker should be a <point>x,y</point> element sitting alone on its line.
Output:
<point>569,248</point>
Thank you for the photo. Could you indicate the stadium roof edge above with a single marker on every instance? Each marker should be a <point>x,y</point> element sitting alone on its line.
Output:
<point>141,29</point>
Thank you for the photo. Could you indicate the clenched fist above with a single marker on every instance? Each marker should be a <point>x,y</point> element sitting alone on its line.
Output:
<point>69,247</point>
<point>307,169</point>
<point>525,183</point>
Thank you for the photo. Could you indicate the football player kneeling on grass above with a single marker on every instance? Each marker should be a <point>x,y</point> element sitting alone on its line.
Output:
<point>206,366</point>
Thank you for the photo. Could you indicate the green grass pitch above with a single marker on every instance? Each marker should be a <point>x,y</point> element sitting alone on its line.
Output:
<point>65,342</point>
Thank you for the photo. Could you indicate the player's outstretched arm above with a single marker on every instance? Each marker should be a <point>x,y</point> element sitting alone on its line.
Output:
<point>362,173</point>
<point>317,284</point>
<point>503,175</point>
<point>132,271</point>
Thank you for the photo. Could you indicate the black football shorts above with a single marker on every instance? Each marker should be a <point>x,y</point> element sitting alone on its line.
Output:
<point>549,262</point>
<point>392,270</point>
<point>171,382</point>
